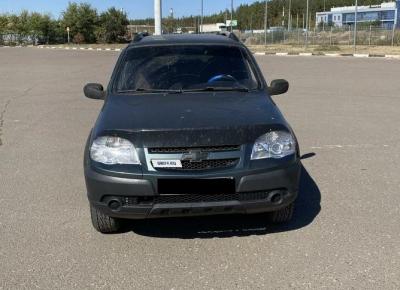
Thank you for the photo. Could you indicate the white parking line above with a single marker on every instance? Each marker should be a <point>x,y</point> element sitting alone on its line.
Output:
<point>332,54</point>
<point>338,146</point>
<point>392,56</point>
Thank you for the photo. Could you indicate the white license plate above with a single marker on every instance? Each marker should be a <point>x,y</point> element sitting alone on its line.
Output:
<point>166,163</point>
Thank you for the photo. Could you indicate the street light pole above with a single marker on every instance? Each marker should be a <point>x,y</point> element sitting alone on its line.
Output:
<point>68,29</point>
<point>157,17</point>
<point>202,16</point>
<point>231,15</point>
<point>355,26</point>
<point>307,23</point>
<point>289,25</point>
<point>265,22</point>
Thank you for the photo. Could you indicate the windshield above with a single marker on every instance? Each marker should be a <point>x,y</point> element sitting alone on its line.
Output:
<point>185,68</point>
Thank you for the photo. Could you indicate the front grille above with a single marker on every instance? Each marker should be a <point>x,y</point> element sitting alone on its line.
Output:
<point>223,148</point>
<point>206,164</point>
<point>188,198</point>
<point>192,198</point>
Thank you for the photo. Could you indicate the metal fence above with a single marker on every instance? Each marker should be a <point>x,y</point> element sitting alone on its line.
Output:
<point>328,36</point>
<point>17,39</point>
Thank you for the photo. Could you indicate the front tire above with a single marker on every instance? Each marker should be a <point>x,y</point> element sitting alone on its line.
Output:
<point>104,223</point>
<point>283,215</point>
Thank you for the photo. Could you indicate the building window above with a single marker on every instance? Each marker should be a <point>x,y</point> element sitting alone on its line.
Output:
<point>387,15</point>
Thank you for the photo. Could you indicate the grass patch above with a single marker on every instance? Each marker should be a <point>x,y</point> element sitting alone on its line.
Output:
<point>327,48</point>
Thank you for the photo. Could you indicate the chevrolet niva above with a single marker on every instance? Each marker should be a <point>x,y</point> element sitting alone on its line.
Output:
<point>188,128</point>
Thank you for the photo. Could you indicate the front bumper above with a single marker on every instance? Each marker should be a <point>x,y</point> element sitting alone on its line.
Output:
<point>264,184</point>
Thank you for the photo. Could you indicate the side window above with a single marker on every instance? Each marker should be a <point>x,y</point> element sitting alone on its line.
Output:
<point>251,76</point>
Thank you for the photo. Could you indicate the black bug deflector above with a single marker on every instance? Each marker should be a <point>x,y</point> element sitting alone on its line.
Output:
<point>191,119</point>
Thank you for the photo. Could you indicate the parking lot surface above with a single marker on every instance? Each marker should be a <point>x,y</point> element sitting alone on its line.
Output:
<point>345,233</point>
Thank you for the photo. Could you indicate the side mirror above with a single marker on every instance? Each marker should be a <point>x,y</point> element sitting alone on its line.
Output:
<point>94,91</point>
<point>278,87</point>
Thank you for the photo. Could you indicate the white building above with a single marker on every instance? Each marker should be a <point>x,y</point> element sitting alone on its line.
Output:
<point>215,27</point>
<point>386,13</point>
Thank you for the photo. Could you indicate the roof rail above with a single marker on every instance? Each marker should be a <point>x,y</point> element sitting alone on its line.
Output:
<point>138,37</point>
<point>230,35</point>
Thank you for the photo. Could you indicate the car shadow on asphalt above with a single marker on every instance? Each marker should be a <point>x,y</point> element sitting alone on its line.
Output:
<point>225,226</point>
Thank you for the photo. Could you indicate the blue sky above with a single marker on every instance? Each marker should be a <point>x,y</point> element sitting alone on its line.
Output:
<point>134,8</point>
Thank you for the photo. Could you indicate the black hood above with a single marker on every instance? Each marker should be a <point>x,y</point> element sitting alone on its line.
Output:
<point>189,119</point>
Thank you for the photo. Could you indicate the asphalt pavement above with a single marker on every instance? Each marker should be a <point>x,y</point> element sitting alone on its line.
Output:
<point>345,233</point>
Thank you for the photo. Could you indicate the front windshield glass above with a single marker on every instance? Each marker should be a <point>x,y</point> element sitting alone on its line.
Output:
<point>177,68</point>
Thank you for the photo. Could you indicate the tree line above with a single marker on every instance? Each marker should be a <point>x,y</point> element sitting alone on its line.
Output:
<point>84,22</point>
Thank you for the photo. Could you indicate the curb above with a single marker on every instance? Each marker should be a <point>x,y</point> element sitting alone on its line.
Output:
<point>80,48</point>
<point>307,54</point>
<point>7,46</point>
<point>357,55</point>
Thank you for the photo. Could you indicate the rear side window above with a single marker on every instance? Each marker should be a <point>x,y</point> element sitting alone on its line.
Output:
<point>185,67</point>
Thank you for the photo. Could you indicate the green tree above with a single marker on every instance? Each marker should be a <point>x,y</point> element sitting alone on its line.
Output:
<point>79,38</point>
<point>81,18</point>
<point>3,27</point>
<point>37,25</point>
<point>44,28</point>
<point>22,25</point>
<point>55,32</point>
<point>12,28</point>
<point>113,25</point>
<point>3,23</point>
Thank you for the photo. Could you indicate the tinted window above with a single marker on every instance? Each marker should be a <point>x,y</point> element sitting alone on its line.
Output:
<point>185,67</point>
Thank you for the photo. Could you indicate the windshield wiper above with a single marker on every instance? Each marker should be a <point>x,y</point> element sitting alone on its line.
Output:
<point>219,89</point>
<point>142,90</point>
<point>205,89</point>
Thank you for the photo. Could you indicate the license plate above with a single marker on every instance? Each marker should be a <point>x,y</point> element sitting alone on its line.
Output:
<point>166,163</point>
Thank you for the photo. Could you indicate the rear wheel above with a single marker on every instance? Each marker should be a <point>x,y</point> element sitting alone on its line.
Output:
<point>283,215</point>
<point>104,223</point>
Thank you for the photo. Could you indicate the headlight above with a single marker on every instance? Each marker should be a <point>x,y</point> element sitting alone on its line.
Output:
<point>275,144</point>
<point>113,150</point>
